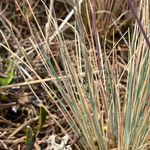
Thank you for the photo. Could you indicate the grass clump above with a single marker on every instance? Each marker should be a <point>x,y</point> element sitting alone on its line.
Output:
<point>96,85</point>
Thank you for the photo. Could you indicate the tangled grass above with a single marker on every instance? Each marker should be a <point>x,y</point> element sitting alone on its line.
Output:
<point>96,64</point>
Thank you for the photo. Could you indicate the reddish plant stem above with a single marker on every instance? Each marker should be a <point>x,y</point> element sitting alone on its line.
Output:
<point>133,10</point>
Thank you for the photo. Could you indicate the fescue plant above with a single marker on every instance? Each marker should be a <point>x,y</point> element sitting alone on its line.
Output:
<point>100,85</point>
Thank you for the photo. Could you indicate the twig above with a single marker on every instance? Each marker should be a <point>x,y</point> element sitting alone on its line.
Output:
<point>22,126</point>
<point>6,106</point>
<point>44,80</point>
<point>20,140</point>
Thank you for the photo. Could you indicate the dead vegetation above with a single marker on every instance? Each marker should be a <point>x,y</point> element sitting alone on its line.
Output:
<point>80,74</point>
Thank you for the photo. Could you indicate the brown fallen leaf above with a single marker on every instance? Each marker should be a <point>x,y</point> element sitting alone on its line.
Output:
<point>24,98</point>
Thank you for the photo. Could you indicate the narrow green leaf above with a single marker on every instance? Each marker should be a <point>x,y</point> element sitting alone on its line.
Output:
<point>42,117</point>
<point>30,138</point>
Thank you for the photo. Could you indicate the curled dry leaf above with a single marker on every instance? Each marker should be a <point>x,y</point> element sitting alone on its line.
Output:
<point>24,99</point>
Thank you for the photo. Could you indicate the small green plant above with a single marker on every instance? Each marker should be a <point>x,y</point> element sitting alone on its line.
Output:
<point>30,138</point>
<point>30,135</point>
<point>9,74</point>
<point>42,117</point>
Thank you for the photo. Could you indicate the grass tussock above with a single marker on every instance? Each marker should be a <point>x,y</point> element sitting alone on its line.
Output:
<point>88,67</point>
